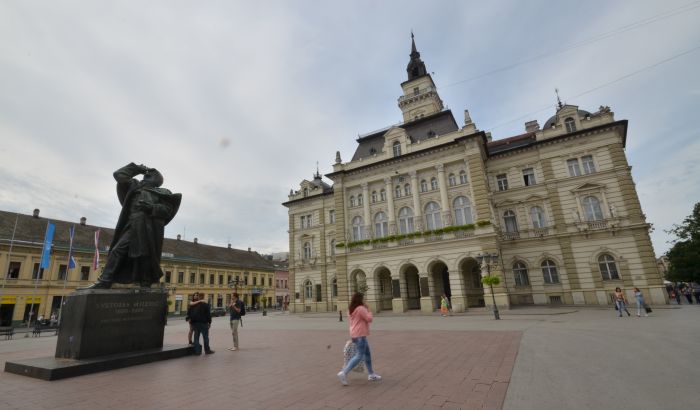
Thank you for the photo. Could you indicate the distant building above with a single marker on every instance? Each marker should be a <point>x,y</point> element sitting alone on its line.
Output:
<point>187,266</point>
<point>409,216</point>
<point>281,284</point>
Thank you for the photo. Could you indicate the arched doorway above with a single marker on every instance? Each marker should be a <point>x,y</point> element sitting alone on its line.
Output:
<point>358,282</point>
<point>410,274</point>
<point>440,276</point>
<point>384,286</point>
<point>471,277</point>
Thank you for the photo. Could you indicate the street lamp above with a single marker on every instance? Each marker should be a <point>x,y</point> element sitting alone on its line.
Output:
<point>233,283</point>
<point>487,260</point>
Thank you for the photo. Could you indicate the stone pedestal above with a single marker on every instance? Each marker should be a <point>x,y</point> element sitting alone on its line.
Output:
<point>427,305</point>
<point>398,305</point>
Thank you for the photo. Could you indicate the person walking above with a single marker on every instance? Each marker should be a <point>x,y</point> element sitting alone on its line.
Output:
<point>359,319</point>
<point>237,309</point>
<point>640,302</point>
<point>621,302</point>
<point>200,316</point>
<point>444,305</point>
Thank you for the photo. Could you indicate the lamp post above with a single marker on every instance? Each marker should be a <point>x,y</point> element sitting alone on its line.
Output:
<point>486,260</point>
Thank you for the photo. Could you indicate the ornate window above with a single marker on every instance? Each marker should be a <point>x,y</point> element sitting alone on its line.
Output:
<point>396,148</point>
<point>452,179</point>
<point>511,221</point>
<point>308,290</point>
<point>537,216</point>
<point>331,216</point>
<point>463,211</point>
<point>334,288</point>
<point>462,177</point>
<point>502,182</point>
<point>307,251</point>
<point>352,200</point>
<point>397,191</point>
<point>423,186</point>
<point>433,183</point>
<point>520,273</point>
<point>381,225</point>
<point>382,195</point>
<point>407,189</point>
<point>405,220</point>
<point>529,176</point>
<point>591,209</point>
<point>588,164</point>
<point>570,124</point>
<point>549,271</point>
<point>360,200</point>
<point>374,196</point>
<point>357,228</point>
<point>574,169</point>
<point>432,216</point>
<point>608,268</point>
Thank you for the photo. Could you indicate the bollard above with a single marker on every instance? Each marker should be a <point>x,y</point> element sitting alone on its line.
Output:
<point>340,316</point>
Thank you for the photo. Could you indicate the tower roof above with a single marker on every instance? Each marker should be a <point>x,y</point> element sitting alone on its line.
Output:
<point>416,66</point>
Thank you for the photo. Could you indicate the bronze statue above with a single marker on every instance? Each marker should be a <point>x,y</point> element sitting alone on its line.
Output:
<point>134,255</point>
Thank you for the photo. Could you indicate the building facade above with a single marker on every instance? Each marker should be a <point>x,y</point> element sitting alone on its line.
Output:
<point>188,266</point>
<point>409,217</point>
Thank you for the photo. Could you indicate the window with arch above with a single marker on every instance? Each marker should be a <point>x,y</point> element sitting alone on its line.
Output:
<point>452,179</point>
<point>397,191</point>
<point>381,225</point>
<point>537,216</point>
<point>374,196</point>
<point>308,290</point>
<point>405,220</point>
<point>511,221</point>
<point>334,288</point>
<point>433,183</point>
<point>423,185</point>
<point>307,251</point>
<point>520,273</point>
<point>462,177</point>
<point>608,268</point>
<point>463,211</point>
<point>432,216</point>
<point>382,195</point>
<point>396,147</point>
<point>570,124</point>
<point>591,208</point>
<point>360,200</point>
<point>357,229</point>
<point>352,200</point>
<point>549,271</point>
<point>332,247</point>
<point>407,189</point>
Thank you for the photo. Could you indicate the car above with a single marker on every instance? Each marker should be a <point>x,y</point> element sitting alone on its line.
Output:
<point>219,311</point>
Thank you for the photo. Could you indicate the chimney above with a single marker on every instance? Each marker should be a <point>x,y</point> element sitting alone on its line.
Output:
<point>36,213</point>
<point>249,249</point>
<point>195,240</point>
<point>229,246</point>
<point>83,221</point>
<point>532,126</point>
<point>178,237</point>
<point>467,118</point>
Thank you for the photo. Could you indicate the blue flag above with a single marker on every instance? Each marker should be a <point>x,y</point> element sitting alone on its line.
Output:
<point>71,261</point>
<point>46,252</point>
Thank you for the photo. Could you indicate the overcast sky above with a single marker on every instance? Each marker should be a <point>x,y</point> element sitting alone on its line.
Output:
<point>235,101</point>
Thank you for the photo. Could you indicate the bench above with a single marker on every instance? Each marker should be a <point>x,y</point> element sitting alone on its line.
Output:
<point>39,329</point>
<point>8,332</point>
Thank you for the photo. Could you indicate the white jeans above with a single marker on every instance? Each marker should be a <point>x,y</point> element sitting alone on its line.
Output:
<point>234,332</point>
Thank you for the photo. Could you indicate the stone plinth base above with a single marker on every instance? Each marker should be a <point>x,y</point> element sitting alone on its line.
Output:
<point>52,368</point>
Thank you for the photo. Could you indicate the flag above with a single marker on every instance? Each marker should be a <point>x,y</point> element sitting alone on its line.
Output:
<point>71,260</point>
<point>46,251</point>
<point>96,259</point>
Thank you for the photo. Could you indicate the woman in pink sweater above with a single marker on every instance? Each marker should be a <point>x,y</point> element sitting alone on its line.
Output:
<point>360,318</point>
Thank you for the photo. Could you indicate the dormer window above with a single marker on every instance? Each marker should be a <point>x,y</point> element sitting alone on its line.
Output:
<point>396,147</point>
<point>570,124</point>
<point>306,192</point>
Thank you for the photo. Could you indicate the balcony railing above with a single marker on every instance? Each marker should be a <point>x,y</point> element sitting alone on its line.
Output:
<point>511,235</point>
<point>597,224</point>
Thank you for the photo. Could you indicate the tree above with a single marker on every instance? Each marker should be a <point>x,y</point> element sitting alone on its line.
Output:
<point>684,256</point>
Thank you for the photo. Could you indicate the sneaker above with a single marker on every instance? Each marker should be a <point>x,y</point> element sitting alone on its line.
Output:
<point>209,352</point>
<point>343,379</point>
<point>233,349</point>
<point>374,377</point>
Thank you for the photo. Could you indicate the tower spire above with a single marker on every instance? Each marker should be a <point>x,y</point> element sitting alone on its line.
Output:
<point>416,66</point>
<point>559,104</point>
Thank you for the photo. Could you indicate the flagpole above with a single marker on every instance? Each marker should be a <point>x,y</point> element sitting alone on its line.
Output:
<point>36,280</point>
<point>65,280</point>
<point>9,257</point>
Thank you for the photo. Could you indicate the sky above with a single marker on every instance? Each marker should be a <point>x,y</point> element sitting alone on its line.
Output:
<point>236,101</point>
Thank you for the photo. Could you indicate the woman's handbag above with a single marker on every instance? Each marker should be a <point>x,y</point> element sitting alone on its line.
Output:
<point>647,308</point>
<point>348,352</point>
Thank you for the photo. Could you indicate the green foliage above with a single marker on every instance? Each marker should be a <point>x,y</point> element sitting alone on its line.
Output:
<point>340,245</point>
<point>491,280</point>
<point>684,256</point>
<point>483,223</point>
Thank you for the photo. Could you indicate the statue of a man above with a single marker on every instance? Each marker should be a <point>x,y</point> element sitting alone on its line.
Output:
<point>134,255</point>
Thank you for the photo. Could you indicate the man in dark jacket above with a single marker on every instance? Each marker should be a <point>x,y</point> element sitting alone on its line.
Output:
<point>134,255</point>
<point>237,310</point>
<point>199,316</point>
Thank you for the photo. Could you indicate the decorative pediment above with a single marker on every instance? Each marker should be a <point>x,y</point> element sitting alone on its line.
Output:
<point>588,187</point>
<point>395,134</point>
<point>507,202</point>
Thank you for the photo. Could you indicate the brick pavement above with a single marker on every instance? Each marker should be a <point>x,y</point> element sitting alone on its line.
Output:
<point>287,369</point>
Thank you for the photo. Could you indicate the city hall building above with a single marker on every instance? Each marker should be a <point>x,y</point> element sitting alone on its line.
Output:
<point>428,207</point>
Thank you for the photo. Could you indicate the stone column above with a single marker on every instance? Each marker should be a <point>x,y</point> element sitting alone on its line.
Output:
<point>445,202</point>
<point>365,209</point>
<point>398,294</point>
<point>427,304</point>
<point>417,212</point>
<point>390,205</point>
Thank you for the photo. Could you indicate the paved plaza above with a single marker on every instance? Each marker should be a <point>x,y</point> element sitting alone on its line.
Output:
<point>535,358</point>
